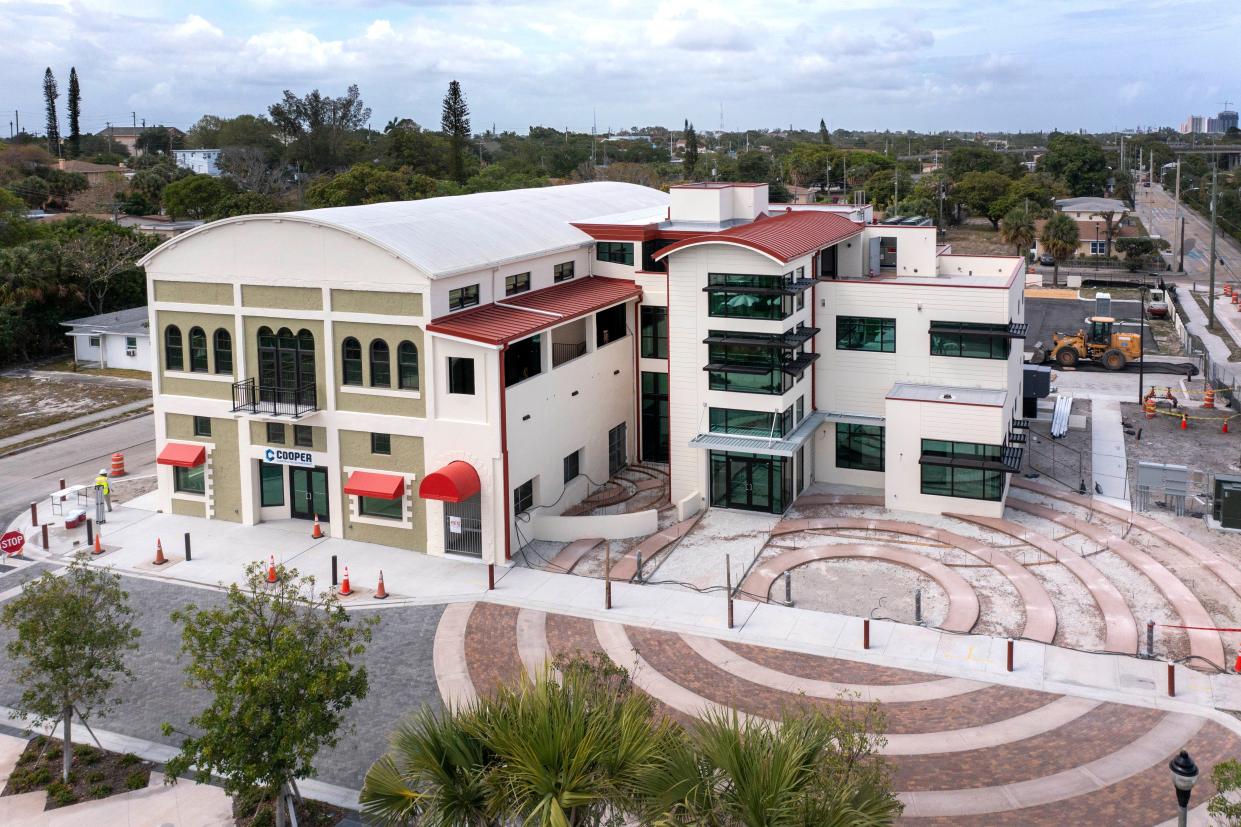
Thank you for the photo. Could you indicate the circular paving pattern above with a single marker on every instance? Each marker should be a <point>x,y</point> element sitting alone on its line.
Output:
<point>963,752</point>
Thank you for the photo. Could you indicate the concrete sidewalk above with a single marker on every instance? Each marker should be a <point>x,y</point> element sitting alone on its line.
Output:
<point>220,551</point>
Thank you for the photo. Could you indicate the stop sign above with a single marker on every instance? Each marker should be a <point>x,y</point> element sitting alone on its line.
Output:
<point>12,542</point>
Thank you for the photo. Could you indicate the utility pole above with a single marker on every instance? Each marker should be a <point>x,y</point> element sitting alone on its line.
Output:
<point>1211,294</point>
<point>18,119</point>
<point>135,117</point>
<point>1180,223</point>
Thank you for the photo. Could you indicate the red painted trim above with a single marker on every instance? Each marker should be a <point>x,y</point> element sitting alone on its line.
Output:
<point>637,379</point>
<point>508,520</point>
<point>713,185</point>
<point>814,307</point>
<point>619,232</point>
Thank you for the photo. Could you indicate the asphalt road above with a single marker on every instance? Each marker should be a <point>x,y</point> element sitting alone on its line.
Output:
<point>1158,213</point>
<point>1048,316</point>
<point>32,475</point>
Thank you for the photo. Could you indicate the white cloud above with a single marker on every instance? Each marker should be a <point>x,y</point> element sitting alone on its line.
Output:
<point>195,25</point>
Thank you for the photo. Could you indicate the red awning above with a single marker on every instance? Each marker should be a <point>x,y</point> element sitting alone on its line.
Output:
<point>379,486</point>
<point>182,455</point>
<point>456,482</point>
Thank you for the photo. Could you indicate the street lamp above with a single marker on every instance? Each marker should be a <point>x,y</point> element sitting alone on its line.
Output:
<point>1184,776</point>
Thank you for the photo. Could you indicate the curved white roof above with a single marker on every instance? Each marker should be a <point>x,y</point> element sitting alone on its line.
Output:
<point>460,233</point>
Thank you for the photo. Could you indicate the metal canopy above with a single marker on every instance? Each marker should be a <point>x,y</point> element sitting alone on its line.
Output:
<point>1014,330</point>
<point>784,447</point>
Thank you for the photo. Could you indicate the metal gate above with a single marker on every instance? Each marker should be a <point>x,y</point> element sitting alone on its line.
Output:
<point>463,527</point>
<point>1051,458</point>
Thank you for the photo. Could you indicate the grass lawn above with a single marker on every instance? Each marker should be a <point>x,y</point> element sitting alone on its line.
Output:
<point>66,366</point>
<point>35,402</point>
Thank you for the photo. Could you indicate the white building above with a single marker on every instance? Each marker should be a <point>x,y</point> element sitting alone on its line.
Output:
<point>112,340</point>
<point>200,161</point>
<point>433,374</point>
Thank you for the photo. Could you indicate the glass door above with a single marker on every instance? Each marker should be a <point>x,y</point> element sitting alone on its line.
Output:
<point>616,449</point>
<point>308,493</point>
<point>749,482</point>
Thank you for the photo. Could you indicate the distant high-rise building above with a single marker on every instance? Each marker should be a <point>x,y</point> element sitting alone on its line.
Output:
<point>1194,124</point>
<point>1227,120</point>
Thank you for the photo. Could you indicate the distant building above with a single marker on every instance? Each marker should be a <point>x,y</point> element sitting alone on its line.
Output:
<point>95,173</point>
<point>127,136</point>
<point>201,161</point>
<point>112,340</point>
<point>1087,212</point>
<point>1206,125</point>
<point>1227,120</point>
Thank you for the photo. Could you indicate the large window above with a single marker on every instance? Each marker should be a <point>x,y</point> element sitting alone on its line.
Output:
<point>748,368</point>
<point>617,252</point>
<point>407,366</point>
<point>351,361</point>
<point>747,423</point>
<point>773,381</point>
<point>563,271</point>
<point>460,375</point>
<point>174,356</point>
<point>654,332</point>
<point>516,283</point>
<point>198,350</point>
<point>655,430</point>
<point>610,325</point>
<point>572,466</point>
<point>463,297</point>
<point>971,341</point>
<point>523,360</point>
<point>859,333</point>
<point>271,484</point>
<point>381,364</point>
<point>189,480</point>
<point>859,446</point>
<point>286,361</point>
<point>222,342</point>
<point>378,507</point>
<point>959,481</point>
<point>649,249</point>
<point>523,497</point>
<point>742,296</point>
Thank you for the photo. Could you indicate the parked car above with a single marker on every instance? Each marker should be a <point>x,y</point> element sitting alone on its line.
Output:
<point>1047,260</point>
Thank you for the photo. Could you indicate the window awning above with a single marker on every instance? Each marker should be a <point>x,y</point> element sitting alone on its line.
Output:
<point>182,455</point>
<point>456,482</point>
<point>379,486</point>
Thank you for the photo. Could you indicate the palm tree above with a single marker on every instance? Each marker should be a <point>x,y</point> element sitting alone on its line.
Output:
<point>1017,229</point>
<point>1059,238</point>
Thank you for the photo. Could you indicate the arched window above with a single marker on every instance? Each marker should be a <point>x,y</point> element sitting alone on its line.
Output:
<point>174,356</point>
<point>381,365</point>
<point>407,366</point>
<point>198,350</point>
<point>305,358</point>
<point>223,343</point>
<point>351,361</point>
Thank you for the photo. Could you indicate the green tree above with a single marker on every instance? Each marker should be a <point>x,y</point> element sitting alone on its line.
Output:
<point>75,113</point>
<point>424,152</point>
<point>983,194</point>
<point>50,95</point>
<point>195,196</point>
<point>318,127</point>
<point>1017,229</point>
<point>279,664</point>
<point>72,631</point>
<point>455,124</point>
<point>968,158</point>
<point>691,150</point>
<point>103,261</point>
<point>14,228</point>
<point>245,203</point>
<point>33,190</point>
<point>1136,249</point>
<point>1078,161</point>
<point>808,165</point>
<point>1059,238</point>
<point>159,139</point>
<point>881,186</point>
<point>825,137</point>
<point>361,184</point>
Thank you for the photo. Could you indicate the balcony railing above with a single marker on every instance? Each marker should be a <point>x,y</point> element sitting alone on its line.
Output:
<point>250,397</point>
<point>566,351</point>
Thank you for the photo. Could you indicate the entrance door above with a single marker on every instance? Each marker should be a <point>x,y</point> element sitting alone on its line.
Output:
<point>749,482</point>
<point>616,449</point>
<point>308,493</point>
<point>654,417</point>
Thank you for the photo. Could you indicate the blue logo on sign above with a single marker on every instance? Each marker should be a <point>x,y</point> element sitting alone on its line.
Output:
<point>269,455</point>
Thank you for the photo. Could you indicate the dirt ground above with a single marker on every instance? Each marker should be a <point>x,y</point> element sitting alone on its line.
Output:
<point>1067,458</point>
<point>67,366</point>
<point>978,240</point>
<point>1202,446</point>
<point>33,402</point>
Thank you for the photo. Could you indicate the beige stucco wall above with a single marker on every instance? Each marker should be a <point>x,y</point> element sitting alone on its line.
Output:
<point>383,303</point>
<point>283,298</point>
<point>406,458</point>
<point>225,461</point>
<point>209,322</point>
<point>189,508</point>
<point>252,325</point>
<point>393,334</point>
<point>193,292</point>
<point>258,436</point>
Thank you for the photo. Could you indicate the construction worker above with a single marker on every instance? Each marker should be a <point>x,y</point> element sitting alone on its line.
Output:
<point>102,489</point>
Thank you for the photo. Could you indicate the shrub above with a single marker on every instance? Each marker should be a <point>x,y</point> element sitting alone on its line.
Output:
<point>100,791</point>
<point>61,793</point>
<point>25,758</point>
<point>86,752</point>
<point>53,753</point>
<point>129,759</point>
<point>94,776</point>
<point>40,776</point>
<point>137,780</point>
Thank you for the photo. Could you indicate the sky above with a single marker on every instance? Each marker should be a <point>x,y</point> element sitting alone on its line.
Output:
<point>994,65</point>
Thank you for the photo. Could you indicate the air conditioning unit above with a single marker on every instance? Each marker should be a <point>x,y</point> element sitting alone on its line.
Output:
<point>131,351</point>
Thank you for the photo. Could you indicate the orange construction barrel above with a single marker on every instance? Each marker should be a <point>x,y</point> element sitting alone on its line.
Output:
<point>118,465</point>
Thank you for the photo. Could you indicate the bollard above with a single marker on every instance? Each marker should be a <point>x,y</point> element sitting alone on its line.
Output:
<point>607,576</point>
<point>1150,638</point>
<point>788,588</point>
<point>491,577</point>
<point>1171,679</point>
<point>34,514</point>
<point>90,531</point>
<point>918,606</point>
<point>333,570</point>
<point>865,633</point>
<point>187,547</point>
<point>62,488</point>
<point>45,544</point>
<point>728,587</point>
<point>1010,654</point>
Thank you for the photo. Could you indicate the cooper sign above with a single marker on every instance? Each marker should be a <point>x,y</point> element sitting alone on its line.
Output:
<point>282,456</point>
<point>12,542</point>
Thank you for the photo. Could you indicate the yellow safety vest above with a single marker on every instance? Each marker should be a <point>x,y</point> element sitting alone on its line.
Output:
<point>102,482</point>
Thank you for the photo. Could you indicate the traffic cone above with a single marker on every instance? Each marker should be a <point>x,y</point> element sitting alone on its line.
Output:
<point>380,593</point>
<point>1236,667</point>
<point>317,534</point>
<point>344,584</point>
<point>1184,423</point>
<point>159,553</point>
<point>98,543</point>
<point>271,570</point>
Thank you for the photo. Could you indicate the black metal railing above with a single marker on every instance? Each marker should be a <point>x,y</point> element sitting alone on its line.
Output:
<point>253,398</point>
<point>566,351</point>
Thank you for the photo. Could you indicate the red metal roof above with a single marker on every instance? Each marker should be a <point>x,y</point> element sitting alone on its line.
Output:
<point>182,455</point>
<point>379,486</point>
<point>521,316</point>
<point>456,482</point>
<point>785,236</point>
